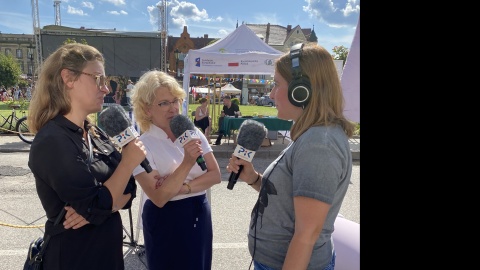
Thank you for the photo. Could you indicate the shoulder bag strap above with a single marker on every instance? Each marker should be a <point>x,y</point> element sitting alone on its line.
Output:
<point>46,239</point>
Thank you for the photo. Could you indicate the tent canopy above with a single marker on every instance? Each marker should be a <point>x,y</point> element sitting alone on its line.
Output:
<point>351,79</point>
<point>241,52</point>
<point>230,89</point>
<point>201,90</point>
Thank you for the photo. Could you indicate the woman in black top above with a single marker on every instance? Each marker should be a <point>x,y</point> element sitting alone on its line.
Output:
<point>70,87</point>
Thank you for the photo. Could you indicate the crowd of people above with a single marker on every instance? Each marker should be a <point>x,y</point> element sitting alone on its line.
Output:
<point>304,186</point>
<point>16,93</point>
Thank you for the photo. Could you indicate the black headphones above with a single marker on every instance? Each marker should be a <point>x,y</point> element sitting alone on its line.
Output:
<point>299,89</point>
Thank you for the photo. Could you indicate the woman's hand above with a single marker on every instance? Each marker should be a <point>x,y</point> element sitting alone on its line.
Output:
<point>73,219</point>
<point>134,153</point>
<point>192,150</point>
<point>248,173</point>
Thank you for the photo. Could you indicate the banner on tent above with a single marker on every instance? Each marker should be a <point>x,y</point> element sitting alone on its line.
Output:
<point>231,63</point>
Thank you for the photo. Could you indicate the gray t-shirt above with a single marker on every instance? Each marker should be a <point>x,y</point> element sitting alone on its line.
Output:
<point>317,165</point>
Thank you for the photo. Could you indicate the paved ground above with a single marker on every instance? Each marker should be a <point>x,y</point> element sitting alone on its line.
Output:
<point>22,216</point>
<point>11,143</point>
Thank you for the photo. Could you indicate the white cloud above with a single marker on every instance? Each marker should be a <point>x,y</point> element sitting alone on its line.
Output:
<point>334,13</point>
<point>114,12</point>
<point>88,5</point>
<point>223,33</point>
<point>75,11</point>
<point>115,2</point>
<point>153,17</point>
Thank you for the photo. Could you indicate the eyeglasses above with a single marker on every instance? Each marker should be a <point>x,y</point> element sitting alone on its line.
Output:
<point>166,104</point>
<point>99,79</point>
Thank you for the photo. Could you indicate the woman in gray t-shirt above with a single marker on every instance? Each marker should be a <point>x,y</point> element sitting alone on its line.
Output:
<point>301,191</point>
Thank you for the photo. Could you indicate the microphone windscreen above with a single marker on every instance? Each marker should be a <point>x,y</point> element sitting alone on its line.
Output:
<point>114,120</point>
<point>251,134</point>
<point>179,124</point>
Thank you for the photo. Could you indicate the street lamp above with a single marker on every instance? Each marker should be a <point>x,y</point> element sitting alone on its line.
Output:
<point>177,54</point>
<point>30,57</point>
<point>31,64</point>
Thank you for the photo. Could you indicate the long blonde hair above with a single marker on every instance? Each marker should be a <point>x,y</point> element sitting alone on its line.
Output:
<point>326,103</point>
<point>50,97</point>
<point>144,94</point>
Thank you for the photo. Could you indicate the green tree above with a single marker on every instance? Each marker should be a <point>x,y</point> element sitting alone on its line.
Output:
<point>9,70</point>
<point>340,53</point>
<point>69,40</point>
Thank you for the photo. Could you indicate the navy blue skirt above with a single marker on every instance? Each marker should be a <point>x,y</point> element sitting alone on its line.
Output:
<point>178,236</point>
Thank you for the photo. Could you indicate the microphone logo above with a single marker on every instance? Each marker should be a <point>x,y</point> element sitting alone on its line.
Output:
<point>187,136</point>
<point>125,137</point>
<point>244,153</point>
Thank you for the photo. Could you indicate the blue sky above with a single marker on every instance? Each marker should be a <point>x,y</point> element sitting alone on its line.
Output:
<point>334,21</point>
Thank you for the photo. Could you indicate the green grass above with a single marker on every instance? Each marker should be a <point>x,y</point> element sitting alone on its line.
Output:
<point>5,110</point>
<point>247,110</point>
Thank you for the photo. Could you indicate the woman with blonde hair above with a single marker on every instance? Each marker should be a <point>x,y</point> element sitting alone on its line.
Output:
<point>301,192</point>
<point>176,217</point>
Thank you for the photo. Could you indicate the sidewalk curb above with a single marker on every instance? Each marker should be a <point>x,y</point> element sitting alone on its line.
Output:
<point>13,144</point>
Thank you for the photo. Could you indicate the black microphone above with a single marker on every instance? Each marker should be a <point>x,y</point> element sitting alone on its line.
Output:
<point>250,137</point>
<point>185,131</point>
<point>115,122</point>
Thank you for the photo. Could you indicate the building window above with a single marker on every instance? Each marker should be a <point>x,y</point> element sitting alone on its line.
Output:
<point>19,53</point>
<point>22,66</point>
<point>8,51</point>
<point>30,69</point>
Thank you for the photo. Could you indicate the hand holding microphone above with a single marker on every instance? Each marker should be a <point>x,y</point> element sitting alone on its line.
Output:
<point>250,137</point>
<point>115,122</point>
<point>185,131</point>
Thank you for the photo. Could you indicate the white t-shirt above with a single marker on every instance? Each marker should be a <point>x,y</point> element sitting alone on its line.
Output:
<point>165,156</point>
<point>129,89</point>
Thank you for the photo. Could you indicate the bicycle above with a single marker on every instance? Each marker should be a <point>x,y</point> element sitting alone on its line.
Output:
<point>19,126</point>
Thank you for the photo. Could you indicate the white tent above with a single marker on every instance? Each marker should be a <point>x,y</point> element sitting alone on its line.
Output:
<point>230,89</point>
<point>241,52</point>
<point>351,79</point>
<point>202,90</point>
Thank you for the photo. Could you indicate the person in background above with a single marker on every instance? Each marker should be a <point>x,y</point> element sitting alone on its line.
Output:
<point>119,95</point>
<point>112,96</point>
<point>202,117</point>
<point>230,109</point>
<point>129,92</point>
<point>176,217</point>
<point>28,92</point>
<point>3,92</point>
<point>16,93</point>
<point>304,186</point>
<point>74,162</point>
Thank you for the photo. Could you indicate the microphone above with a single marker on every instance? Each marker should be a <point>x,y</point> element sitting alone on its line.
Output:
<point>115,122</point>
<point>185,131</point>
<point>250,137</point>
